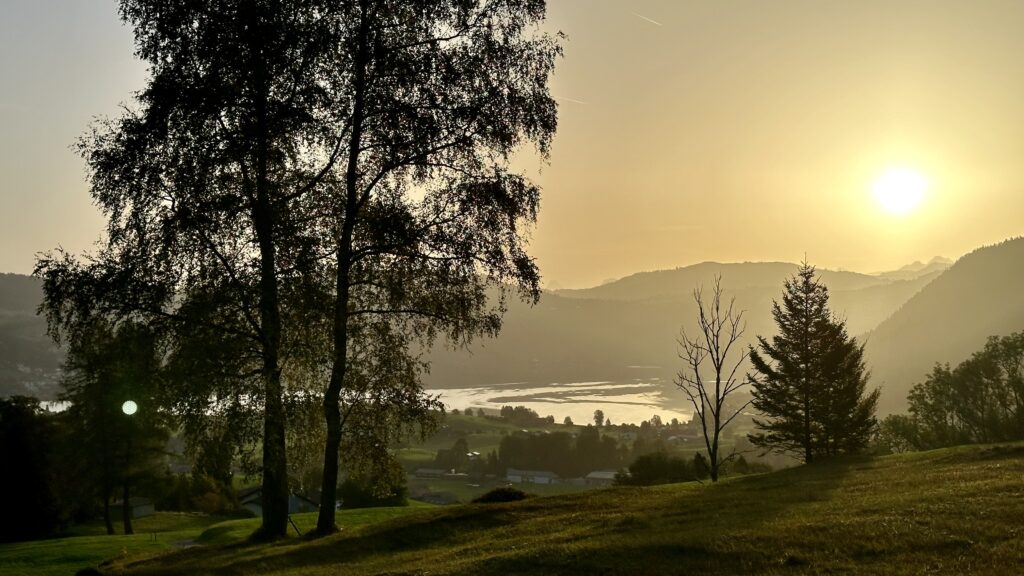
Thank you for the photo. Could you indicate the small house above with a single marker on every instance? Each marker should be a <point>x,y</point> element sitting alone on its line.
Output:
<point>600,478</point>
<point>252,500</point>
<point>531,476</point>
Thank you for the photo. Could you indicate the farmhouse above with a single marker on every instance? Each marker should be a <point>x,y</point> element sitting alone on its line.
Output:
<point>531,476</point>
<point>600,478</point>
<point>252,500</point>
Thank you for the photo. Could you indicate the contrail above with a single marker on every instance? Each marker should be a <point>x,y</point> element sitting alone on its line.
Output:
<point>642,17</point>
<point>573,100</point>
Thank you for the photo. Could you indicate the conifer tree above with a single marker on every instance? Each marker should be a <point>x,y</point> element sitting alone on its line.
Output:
<point>810,381</point>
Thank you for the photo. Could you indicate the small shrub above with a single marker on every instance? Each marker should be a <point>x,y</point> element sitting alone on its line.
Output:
<point>503,494</point>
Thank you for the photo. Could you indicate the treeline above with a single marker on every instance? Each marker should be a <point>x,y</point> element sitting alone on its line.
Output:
<point>55,478</point>
<point>663,468</point>
<point>563,453</point>
<point>980,400</point>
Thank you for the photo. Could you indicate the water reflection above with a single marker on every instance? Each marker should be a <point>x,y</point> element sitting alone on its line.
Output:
<point>622,402</point>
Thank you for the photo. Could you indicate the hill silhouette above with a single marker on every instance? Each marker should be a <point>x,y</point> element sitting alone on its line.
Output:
<point>744,275</point>
<point>29,361</point>
<point>627,329</point>
<point>981,295</point>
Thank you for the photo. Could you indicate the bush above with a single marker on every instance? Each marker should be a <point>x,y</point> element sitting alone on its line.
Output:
<point>503,494</point>
<point>382,484</point>
<point>659,468</point>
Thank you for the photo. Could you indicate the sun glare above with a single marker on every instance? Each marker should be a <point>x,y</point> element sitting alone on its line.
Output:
<point>900,191</point>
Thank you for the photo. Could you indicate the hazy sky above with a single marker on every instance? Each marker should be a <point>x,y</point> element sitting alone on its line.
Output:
<point>689,131</point>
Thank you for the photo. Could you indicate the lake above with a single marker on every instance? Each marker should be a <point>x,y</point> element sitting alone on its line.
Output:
<point>622,402</point>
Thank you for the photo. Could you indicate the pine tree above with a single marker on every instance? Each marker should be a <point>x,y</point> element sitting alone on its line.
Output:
<point>845,410</point>
<point>810,380</point>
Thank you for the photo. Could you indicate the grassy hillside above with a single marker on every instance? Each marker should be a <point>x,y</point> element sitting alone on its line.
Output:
<point>954,511</point>
<point>89,545</point>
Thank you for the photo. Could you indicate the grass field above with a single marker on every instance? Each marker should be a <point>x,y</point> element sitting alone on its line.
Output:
<point>954,511</point>
<point>90,546</point>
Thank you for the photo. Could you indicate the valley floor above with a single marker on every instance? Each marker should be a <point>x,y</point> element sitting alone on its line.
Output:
<point>955,511</point>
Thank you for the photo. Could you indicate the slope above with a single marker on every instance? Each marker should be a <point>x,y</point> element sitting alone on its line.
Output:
<point>571,338</point>
<point>29,361</point>
<point>951,511</point>
<point>740,276</point>
<point>981,295</point>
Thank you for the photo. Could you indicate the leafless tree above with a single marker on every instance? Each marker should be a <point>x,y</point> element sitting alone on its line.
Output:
<point>709,377</point>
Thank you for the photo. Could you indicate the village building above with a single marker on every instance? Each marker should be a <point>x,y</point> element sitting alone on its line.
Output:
<point>531,476</point>
<point>600,478</point>
<point>252,500</point>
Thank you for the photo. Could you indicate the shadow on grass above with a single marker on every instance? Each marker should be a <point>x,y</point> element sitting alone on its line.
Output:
<point>695,529</point>
<point>411,532</point>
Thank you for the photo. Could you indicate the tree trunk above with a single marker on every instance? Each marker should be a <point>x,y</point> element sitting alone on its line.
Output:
<point>808,453</point>
<point>126,510</point>
<point>332,410</point>
<point>275,462</point>
<point>106,513</point>
<point>714,444</point>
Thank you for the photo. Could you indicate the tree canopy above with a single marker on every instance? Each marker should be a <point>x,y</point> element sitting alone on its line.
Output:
<point>297,179</point>
<point>810,381</point>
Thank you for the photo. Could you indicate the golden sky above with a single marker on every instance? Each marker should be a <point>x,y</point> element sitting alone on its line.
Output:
<point>689,130</point>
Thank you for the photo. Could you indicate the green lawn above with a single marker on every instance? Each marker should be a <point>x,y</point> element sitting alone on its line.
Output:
<point>90,545</point>
<point>234,531</point>
<point>954,511</point>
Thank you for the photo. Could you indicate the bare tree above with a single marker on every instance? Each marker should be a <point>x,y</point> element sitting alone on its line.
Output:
<point>709,377</point>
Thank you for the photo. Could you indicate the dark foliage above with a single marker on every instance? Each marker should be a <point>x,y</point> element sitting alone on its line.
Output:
<point>380,485</point>
<point>663,468</point>
<point>561,453</point>
<point>27,449</point>
<point>981,400</point>
<point>106,366</point>
<point>501,494</point>
<point>810,382</point>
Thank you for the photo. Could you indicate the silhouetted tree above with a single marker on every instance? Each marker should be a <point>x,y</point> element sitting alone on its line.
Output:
<point>657,468</point>
<point>202,181</point>
<point>598,418</point>
<point>709,378</point>
<point>27,450</point>
<point>845,408</point>
<point>809,381</point>
<point>106,366</point>
<point>980,400</point>
<point>898,433</point>
<point>349,160</point>
<point>423,213</point>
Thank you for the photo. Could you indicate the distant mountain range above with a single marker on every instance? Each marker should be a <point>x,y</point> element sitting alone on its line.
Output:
<point>626,329</point>
<point>29,361</point>
<point>981,295</point>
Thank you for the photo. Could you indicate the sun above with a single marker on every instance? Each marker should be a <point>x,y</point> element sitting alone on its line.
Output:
<point>900,191</point>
